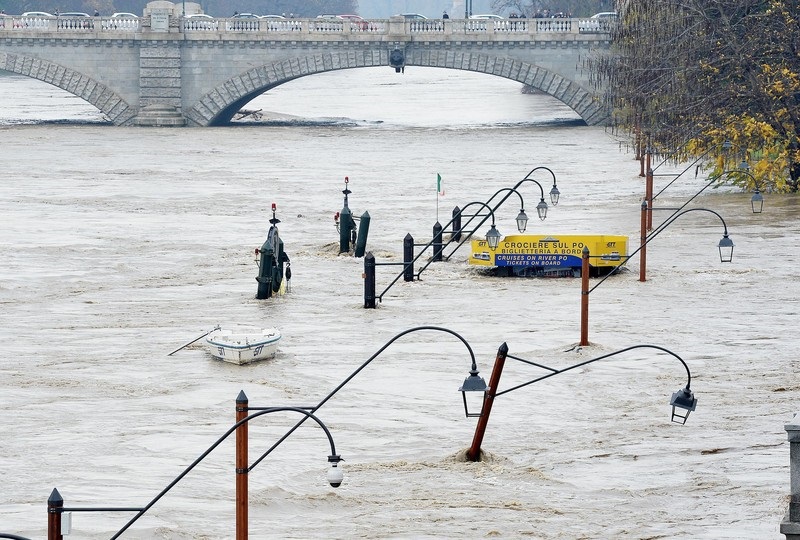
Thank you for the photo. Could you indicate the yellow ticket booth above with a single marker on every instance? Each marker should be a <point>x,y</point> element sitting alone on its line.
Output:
<point>551,255</point>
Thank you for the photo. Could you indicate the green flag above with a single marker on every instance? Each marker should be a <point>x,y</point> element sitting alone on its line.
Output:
<point>439,188</point>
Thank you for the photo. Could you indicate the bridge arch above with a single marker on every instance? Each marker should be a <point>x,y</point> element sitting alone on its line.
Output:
<point>219,105</point>
<point>101,96</point>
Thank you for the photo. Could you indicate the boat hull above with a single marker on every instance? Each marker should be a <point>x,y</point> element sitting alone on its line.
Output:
<point>243,347</point>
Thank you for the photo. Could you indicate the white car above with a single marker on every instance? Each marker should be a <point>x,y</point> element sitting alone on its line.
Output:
<point>199,16</point>
<point>486,16</point>
<point>36,14</point>
<point>605,15</point>
<point>123,15</point>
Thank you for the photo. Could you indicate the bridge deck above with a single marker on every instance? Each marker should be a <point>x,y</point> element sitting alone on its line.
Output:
<point>310,29</point>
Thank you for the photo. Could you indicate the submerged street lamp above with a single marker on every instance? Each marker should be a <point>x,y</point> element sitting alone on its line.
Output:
<point>682,402</point>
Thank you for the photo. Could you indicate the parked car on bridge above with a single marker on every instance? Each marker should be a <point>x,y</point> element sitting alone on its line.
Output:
<point>273,17</point>
<point>73,14</point>
<point>605,15</point>
<point>486,16</point>
<point>411,16</point>
<point>36,14</point>
<point>124,15</point>
<point>245,16</point>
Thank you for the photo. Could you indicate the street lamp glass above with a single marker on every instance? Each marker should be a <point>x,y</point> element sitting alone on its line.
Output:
<point>757,202</point>
<point>541,209</point>
<point>493,237</point>
<point>554,195</point>
<point>726,249</point>
<point>335,473</point>
<point>475,386</point>
<point>522,221</point>
<point>683,402</point>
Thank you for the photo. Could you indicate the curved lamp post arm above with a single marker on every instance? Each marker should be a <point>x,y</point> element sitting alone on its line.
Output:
<point>522,217</point>
<point>492,235</point>
<point>683,401</point>
<point>553,371</point>
<point>268,410</point>
<point>725,244</point>
<point>358,370</point>
<point>554,192</point>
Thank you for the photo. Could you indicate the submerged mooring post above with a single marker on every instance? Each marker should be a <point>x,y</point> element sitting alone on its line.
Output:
<point>346,223</point>
<point>408,258</point>
<point>369,280</point>
<point>271,258</point>
<point>437,241</point>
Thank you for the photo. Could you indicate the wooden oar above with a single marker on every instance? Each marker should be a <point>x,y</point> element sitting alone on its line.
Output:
<point>195,339</point>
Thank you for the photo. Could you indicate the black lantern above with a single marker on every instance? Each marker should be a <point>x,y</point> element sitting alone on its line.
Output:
<point>475,386</point>
<point>493,237</point>
<point>522,220</point>
<point>683,402</point>
<point>725,249</point>
<point>541,209</point>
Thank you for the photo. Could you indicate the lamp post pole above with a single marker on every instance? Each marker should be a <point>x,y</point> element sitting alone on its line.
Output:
<point>474,452</point>
<point>725,255</point>
<point>648,192</point>
<point>585,297</point>
<point>241,467</point>
<point>643,243</point>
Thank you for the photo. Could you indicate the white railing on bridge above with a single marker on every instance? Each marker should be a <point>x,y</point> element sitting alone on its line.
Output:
<point>293,27</point>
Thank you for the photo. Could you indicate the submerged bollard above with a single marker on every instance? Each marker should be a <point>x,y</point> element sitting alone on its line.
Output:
<point>437,241</point>
<point>369,280</point>
<point>408,258</point>
<point>361,239</point>
<point>456,224</point>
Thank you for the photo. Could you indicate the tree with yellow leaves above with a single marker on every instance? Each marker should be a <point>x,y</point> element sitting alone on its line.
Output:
<point>689,75</point>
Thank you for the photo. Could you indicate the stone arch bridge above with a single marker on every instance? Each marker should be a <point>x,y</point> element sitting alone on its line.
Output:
<point>165,69</point>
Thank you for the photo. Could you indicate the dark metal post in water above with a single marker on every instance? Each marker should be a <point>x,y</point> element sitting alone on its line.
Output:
<point>437,241</point>
<point>369,280</point>
<point>241,467</point>
<point>585,297</point>
<point>361,239</point>
<point>408,258</point>
<point>456,224</point>
<point>346,222</point>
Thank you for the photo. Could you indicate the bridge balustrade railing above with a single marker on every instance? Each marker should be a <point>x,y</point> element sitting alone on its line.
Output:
<point>510,28</point>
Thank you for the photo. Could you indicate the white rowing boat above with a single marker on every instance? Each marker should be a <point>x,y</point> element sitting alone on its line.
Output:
<point>243,345</point>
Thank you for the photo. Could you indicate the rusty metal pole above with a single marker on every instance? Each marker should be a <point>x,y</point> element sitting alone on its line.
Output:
<point>648,192</point>
<point>474,452</point>
<point>585,297</point>
<point>643,244</point>
<point>241,467</point>
<point>54,506</point>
